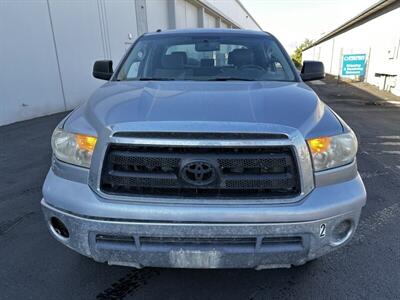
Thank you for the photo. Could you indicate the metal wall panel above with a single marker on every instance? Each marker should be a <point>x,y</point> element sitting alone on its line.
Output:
<point>81,38</point>
<point>157,14</point>
<point>191,15</point>
<point>186,14</point>
<point>122,26</point>
<point>234,11</point>
<point>209,21</point>
<point>30,84</point>
<point>180,13</point>
<point>224,25</point>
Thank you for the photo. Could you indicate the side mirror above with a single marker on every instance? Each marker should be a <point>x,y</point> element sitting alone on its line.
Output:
<point>103,69</point>
<point>312,70</point>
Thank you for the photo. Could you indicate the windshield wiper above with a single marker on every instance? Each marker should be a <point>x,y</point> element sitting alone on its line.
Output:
<point>155,79</point>
<point>230,78</point>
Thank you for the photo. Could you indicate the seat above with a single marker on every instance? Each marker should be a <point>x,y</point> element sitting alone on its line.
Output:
<point>182,54</point>
<point>172,65</point>
<point>241,57</point>
<point>207,62</point>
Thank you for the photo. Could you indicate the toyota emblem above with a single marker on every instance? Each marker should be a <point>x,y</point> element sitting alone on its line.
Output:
<point>198,173</point>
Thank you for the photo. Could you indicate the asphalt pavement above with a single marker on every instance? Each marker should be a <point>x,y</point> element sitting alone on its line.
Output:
<point>35,266</point>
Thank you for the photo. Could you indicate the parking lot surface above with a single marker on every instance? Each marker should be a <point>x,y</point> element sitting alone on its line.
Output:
<point>34,266</point>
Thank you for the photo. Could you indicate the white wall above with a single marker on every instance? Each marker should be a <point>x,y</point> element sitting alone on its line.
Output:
<point>233,10</point>
<point>186,15</point>
<point>121,21</point>
<point>30,84</point>
<point>375,37</point>
<point>224,25</point>
<point>209,21</point>
<point>48,48</point>
<point>157,14</point>
<point>79,42</point>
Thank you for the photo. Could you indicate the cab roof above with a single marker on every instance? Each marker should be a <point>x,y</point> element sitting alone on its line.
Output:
<point>208,31</point>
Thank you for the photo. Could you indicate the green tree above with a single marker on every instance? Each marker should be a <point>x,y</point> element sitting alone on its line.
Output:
<point>298,53</point>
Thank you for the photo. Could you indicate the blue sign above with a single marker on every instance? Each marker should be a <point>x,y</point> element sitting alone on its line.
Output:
<point>353,64</point>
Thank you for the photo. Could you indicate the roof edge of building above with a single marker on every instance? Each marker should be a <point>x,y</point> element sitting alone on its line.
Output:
<point>221,14</point>
<point>249,14</point>
<point>372,12</point>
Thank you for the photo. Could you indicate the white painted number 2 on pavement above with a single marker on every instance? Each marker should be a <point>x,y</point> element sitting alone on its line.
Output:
<point>322,230</point>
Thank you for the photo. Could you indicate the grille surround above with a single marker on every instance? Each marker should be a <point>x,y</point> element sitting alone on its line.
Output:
<point>230,186</point>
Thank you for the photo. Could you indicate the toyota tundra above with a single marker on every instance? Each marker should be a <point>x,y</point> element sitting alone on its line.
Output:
<point>204,149</point>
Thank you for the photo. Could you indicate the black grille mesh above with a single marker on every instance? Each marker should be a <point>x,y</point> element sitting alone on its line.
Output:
<point>242,172</point>
<point>272,183</point>
<point>253,163</point>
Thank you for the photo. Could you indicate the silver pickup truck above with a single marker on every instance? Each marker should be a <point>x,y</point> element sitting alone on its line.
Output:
<point>204,149</point>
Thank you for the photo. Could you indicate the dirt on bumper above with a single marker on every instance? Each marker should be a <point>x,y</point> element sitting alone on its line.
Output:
<point>200,245</point>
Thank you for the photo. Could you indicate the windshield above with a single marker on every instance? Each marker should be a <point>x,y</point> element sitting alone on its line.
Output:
<point>206,58</point>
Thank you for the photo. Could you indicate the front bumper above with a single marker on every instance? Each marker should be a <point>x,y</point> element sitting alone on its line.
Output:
<point>266,245</point>
<point>140,233</point>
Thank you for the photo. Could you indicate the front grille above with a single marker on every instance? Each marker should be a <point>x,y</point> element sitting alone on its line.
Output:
<point>147,240</point>
<point>107,241</point>
<point>240,172</point>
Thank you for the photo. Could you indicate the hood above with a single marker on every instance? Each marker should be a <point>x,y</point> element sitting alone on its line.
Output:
<point>290,104</point>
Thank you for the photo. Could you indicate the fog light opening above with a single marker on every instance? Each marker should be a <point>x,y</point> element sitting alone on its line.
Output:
<point>59,228</point>
<point>342,232</point>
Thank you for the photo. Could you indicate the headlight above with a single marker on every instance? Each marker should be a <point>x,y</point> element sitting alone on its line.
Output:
<point>76,149</point>
<point>334,151</point>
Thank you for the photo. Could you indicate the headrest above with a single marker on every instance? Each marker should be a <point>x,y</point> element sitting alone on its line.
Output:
<point>207,62</point>
<point>241,57</point>
<point>176,60</point>
<point>181,53</point>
